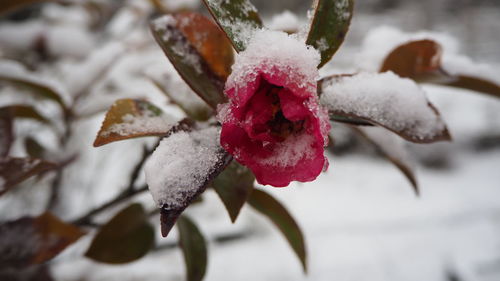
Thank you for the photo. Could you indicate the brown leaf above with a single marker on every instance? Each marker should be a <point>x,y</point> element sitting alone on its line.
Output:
<point>15,170</point>
<point>210,42</point>
<point>21,111</point>
<point>201,75</point>
<point>35,240</point>
<point>6,136</point>
<point>132,118</point>
<point>414,59</point>
<point>12,5</point>
<point>475,84</point>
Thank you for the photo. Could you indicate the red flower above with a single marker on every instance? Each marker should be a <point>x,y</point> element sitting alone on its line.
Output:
<point>272,123</point>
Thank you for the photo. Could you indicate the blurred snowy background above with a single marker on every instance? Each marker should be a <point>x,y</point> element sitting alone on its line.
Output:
<point>361,219</point>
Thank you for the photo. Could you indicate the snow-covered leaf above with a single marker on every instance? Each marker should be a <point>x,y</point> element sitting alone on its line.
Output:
<point>181,167</point>
<point>393,149</point>
<point>35,240</point>
<point>329,26</point>
<point>233,186</point>
<point>277,213</point>
<point>15,170</point>
<point>193,247</point>
<point>397,104</point>
<point>132,118</point>
<point>14,74</point>
<point>238,18</point>
<point>128,236</point>
<point>414,59</point>
<point>203,67</point>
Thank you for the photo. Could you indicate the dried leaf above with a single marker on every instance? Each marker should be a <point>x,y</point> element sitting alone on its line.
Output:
<point>329,26</point>
<point>193,247</point>
<point>192,65</point>
<point>414,59</point>
<point>233,186</point>
<point>238,18</point>
<point>128,236</point>
<point>362,98</point>
<point>391,148</point>
<point>35,240</point>
<point>15,170</point>
<point>277,213</point>
<point>132,118</point>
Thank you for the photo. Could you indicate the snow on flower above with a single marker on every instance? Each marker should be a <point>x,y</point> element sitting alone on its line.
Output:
<point>272,122</point>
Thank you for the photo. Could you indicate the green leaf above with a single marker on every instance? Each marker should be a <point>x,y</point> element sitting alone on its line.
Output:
<point>34,87</point>
<point>237,18</point>
<point>128,236</point>
<point>33,148</point>
<point>193,248</point>
<point>17,170</point>
<point>270,207</point>
<point>123,121</point>
<point>329,26</point>
<point>198,70</point>
<point>233,186</point>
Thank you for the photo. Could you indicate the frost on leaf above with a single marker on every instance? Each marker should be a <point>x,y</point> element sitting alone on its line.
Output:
<point>238,18</point>
<point>198,50</point>
<point>398,104</point>
<point>180,169</point>
<point>130,118</point>
<point>16,170</point>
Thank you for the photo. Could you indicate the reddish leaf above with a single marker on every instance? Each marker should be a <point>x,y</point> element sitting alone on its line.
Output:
<point>128,236</point>
<point>414,59</point>
<point>132,118</point>
<point>329,26</point>
<point>204,68</point>
<point>278,214</point>
<point>193,247</point>
<point>237,18</point>
<point>233,186</point>
<point>35,240</point>
<point>15,170</point>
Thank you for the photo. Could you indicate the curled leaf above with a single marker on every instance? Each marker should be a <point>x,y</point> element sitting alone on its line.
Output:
<point>193,247</point>
<point>132,118</point>
<point>277,213</point>
<point>233,186</point>
<point>386,100</point>
<point>186,39</point>
<point>16,170</point>
<point>35,240</point>
<point>127,237</point>
<point>329,26</point>
<point>238,18</point>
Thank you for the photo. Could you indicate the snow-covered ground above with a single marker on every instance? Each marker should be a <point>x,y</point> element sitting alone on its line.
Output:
<point>361,219</point>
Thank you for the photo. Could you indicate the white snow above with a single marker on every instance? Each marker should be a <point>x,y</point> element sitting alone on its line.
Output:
<point>179,166</point>
<point>396,103</point>
<point>289,152</point>
<point>134,125</point>
<point>285,21</point>
<point>273,52</point>
<point>176,5</point>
